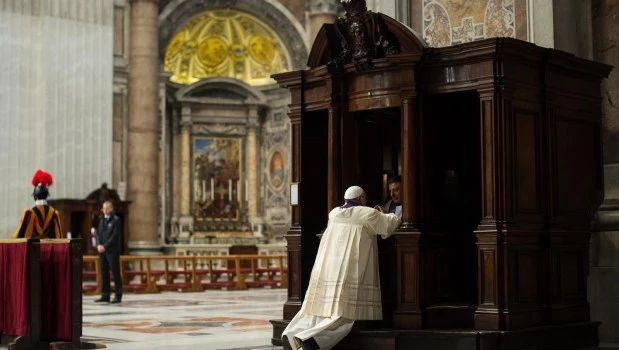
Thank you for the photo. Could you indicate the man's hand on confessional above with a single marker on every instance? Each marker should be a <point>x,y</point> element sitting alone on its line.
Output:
<point>101,248</point>
<point>379,208</point>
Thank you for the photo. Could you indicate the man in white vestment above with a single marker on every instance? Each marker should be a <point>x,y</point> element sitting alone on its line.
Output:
<point>344,285</point>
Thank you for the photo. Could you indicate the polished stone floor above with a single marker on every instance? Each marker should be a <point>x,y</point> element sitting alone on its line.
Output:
<point>170,320</point>
<point>211,320</point>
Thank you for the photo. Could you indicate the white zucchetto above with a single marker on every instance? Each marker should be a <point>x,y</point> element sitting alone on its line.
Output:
<point>353,192</point>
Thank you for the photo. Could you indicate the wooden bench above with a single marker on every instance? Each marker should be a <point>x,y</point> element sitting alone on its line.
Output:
<point>193,273</point>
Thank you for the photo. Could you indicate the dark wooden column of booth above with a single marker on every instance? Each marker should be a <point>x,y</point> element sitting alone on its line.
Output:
<point>293,81</point>
<point>407,313</point>
<point>488,235</point>
<point>334,177</point>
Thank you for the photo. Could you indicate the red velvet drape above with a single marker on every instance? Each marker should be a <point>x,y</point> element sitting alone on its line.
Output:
<point>55,290</point>
<point>14,287</point>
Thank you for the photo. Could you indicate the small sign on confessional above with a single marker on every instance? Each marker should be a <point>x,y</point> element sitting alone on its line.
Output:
<point>294,193</point>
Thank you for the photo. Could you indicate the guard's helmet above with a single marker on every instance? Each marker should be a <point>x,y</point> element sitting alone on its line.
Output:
<point>41,181</point>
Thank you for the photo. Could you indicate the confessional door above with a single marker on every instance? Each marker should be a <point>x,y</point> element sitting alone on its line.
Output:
<point>378,159</point>
<point>451,207</point>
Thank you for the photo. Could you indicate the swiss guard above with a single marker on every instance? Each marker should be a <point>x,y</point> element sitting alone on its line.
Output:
<point>42,220</point>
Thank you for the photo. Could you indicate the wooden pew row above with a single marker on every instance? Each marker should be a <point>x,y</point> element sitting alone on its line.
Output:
<point>152,274</point>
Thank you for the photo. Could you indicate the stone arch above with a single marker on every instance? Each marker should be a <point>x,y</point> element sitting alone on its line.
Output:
<point>222,88</point>
<point>271,12</point>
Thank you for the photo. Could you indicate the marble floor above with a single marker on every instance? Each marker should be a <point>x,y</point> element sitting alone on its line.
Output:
<point>170,320</point>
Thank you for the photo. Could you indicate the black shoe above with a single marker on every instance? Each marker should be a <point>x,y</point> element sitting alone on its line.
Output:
<point>310,344</point>
<point>298,342</point>
<point>102,300</point>
<point>115,301</point>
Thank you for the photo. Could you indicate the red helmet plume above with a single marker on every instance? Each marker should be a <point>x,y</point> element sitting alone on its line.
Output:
<point>42,177</point>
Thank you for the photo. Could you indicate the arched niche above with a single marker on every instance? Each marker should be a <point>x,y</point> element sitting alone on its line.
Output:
<point>220,90</point>
<point>272,13</point>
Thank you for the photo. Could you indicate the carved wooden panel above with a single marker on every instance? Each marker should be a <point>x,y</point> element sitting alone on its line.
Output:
<point>527,154</point>
<point>567,274</point>
<point>487,155</point>
<point>487,278</point>
<point>294,276</point>
<point>407,313</point>
<point>408,263</point>
<point>576,165</point>
<point>526,268</point>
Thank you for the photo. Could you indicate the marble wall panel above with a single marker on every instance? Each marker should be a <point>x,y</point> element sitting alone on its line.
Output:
<point>55,99</point>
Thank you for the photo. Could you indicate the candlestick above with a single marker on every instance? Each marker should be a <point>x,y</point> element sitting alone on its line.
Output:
<point>212,189</point>
<point>238,191</point>
<point>230,190</point>
<point>203,190</point>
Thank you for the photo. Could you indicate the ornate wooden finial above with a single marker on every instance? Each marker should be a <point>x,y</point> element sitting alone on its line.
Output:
<point>363,36</point>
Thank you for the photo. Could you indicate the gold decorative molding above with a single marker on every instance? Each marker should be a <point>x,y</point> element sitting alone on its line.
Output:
<point>225,43</point>
<point>156,2</point>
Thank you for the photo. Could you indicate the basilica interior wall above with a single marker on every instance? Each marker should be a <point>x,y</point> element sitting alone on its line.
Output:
<point>120,106</point>
<point>55,99</point>
<point>277,163</point>
<point>604,257</point>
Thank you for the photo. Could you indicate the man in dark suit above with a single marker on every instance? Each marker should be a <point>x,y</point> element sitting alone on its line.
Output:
<point>109,248</point>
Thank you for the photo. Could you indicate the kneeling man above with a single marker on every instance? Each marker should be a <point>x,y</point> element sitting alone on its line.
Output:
<point>344,285</point>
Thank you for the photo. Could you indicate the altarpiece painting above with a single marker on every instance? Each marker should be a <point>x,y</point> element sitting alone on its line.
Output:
<point>217,183</point>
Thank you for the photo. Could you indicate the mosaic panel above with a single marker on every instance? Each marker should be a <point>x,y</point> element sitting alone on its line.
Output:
<point>276,172</point>
<point>451,22</point>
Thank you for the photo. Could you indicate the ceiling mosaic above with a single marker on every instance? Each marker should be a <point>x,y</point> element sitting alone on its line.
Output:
<point>225,43</point>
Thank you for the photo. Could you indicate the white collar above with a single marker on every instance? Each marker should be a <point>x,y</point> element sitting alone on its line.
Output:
<point>40,202</point>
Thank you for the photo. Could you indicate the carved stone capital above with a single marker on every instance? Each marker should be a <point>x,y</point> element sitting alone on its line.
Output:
<point>226,129</point>
<point>156,2</point>
<point>185,125</point>
<point>324,6</point>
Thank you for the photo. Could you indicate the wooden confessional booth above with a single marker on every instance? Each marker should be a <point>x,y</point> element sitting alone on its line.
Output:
<point>498,143</point>
<point>79,215</point>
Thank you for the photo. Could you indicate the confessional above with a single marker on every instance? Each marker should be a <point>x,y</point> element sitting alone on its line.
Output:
<point>78,216</point>
<point>498,144</point>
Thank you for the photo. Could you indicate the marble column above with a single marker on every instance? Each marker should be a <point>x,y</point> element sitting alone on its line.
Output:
<point>604,271</point>
<point>321,12</point>
<point>143,147</point>
<point>186,220</point>
<point>253,187</point>
<point>176,175</point>
<point>561,24</point>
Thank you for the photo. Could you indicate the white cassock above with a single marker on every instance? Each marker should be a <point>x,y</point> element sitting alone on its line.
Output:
<point>344,285</point>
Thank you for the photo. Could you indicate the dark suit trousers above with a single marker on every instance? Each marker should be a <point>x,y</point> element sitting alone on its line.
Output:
<point>110,261</point>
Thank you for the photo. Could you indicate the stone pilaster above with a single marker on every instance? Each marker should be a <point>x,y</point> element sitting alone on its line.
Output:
<point>604,271</point>
<point>186,219</point>
<point>185,164</point>
<point>253,170</point>
<point>143,148</point>
<point>321,12</point>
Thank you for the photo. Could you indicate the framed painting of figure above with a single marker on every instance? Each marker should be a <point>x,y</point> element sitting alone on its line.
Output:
<point>217,181</point>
